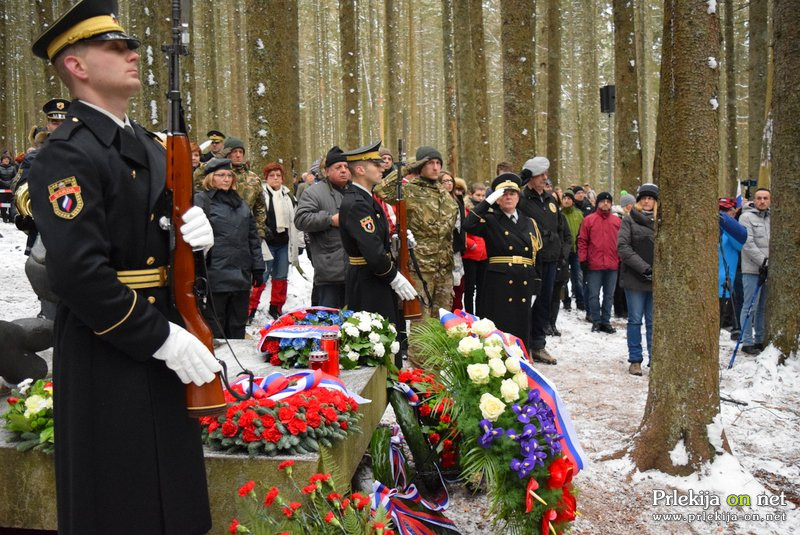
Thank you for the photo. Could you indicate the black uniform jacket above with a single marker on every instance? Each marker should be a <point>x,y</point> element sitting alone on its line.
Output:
<point>545,211</point>
<point>128,459</point>
<point>509,285</point>
<point>365,237</point>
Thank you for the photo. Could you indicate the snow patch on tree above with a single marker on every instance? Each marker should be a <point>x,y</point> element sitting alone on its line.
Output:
<point>524,131</point>
<point>261,90</point>
<point>259,44</point>
<point>153,112</point>
<point>712,6</point>
<point>714,103</point>
<point>715,433</point>
<point>679,456</point>
<point>712,62</point>
<point>149,55</point>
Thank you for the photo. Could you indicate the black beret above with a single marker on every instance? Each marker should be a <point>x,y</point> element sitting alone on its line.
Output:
<point>215,164</point>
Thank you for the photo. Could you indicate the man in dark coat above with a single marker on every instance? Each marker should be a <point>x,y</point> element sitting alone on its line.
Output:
<point>372,277</point>
<point>512,241</point>
<point>317,214</point>
<point>540,205</point>
<point>128,458</point>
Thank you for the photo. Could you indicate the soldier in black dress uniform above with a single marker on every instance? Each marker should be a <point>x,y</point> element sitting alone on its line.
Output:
<point>512,241</point>
<point>128,459</point>
<point>372,278</point>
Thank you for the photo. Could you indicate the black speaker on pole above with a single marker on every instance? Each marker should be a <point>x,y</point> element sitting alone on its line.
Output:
<point>607,98</point>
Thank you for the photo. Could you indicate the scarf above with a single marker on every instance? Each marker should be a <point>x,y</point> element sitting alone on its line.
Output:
<point>282,207</point>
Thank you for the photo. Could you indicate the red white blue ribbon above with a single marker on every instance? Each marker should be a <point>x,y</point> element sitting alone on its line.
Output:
<point>571,447</point>
<point>395,501</point>
<point>411,396</point>
<point>277,386</point>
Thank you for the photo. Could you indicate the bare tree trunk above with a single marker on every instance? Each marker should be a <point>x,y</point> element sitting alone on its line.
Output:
<point>350,78</point>
<point>468,135</point>
<point>273,85</point>
<point>451,102</point>
<point>481,169</point>
<point>554,88</point>
<point>518,70</point>
<point>629,148</point>
<point>783,314</point>
<point>683,395</point>
<point>643,52</point>
<point>757,83</point>
<point>593,100</point>
<point>730,77</point>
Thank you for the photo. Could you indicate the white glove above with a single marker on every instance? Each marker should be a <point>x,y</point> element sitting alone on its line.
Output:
<point>187,357</point>
<point>196,230</point>
<point>403,288</point>
<point>491,199</point>
<point>411,241</point>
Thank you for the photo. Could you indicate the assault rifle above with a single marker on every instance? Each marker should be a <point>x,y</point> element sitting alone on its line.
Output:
<point>208,399</point>
<point>411,309</point>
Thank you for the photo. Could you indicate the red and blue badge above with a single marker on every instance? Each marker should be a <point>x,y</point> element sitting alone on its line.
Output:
<point>65,197</point>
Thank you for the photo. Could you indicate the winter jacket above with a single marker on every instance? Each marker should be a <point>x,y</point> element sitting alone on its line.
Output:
<point>597,240</point>
<point>544,210</point>
<point>313,214</point>
<point>7,174</point>
<point>585,206</point>
<point>635,248</point>
<point>476,247</point>
<point>732,236</point>
<point>574,219</point>
<point>756,247</point>
<point>237,247</point>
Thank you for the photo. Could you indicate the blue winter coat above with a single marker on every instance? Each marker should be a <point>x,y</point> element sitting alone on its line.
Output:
<point>732,238</point>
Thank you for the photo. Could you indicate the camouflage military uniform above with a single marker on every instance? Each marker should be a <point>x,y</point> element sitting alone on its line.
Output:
<point>249,187</point>
<point>431,217</point>
<point>198,175</point>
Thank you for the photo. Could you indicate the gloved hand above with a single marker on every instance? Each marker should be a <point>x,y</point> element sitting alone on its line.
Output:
<point>258,278</point>
<point>403,288</point>
<point>187,357</point>
<point>491,199</point>
<point>411,241</point>
<point>196,230</point>
<point>24,223</point>
<point>585,266</point>
<point>647,275</point>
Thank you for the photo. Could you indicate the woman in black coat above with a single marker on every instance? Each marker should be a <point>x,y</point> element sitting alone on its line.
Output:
<point>235,263</point>
<point>512,241</point>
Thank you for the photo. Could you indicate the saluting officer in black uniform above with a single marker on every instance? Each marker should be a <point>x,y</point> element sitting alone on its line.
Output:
<point>512,240</point>
<point>128,458</point>
<point>372,278</point>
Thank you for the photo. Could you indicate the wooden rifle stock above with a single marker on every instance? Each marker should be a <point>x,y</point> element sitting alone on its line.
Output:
<point>208,399</point>
<point>411,309</point>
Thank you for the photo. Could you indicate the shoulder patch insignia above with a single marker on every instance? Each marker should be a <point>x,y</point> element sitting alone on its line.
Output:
<point>552,206</point>
<point>65,197</point>
<point>368,224</point>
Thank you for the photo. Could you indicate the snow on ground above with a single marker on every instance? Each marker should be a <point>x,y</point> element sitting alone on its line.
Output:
<point>606,406</point>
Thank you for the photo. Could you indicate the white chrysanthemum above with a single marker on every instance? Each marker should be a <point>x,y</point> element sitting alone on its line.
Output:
<point>497,367</point>
<point>392,329</point>
<point>483,327</point>
<point>377,324</point>
<point>512,364</point>
<point>34,405</point>
<point>395,347</point>
<point>469,344</point>
<point>379,350</point>
<point>478,373</point>
<point>365,325</point>
<point>509,390</point>
<point>352,355</point>
<point>493,351</point>
<point>522,380</point>
<point>374,337</point>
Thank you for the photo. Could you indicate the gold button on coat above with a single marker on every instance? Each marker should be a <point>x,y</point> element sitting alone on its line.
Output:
<point>151,299</point>
<point>150,260</point>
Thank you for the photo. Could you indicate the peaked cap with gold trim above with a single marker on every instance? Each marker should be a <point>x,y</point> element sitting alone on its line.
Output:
<point>56,108</point>
<point>88,20</point>
<point>368,152</point>
<point>506,181</point>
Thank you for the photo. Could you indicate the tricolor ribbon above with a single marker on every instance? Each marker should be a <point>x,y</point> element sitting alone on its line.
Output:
<point>277,386</point>
<point>411,396</point>
<point>394,501</point>
<point>456,317</point>
<point>571,447</point>
<point>276,329</point>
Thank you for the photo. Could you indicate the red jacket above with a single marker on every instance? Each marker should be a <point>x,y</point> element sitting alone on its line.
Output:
<point>476,247</point>
<point>597,240</point>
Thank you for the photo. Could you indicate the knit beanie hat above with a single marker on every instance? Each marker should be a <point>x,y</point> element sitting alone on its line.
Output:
<point>428,152</point>
<point>648,189</point>
<point>604,196</point>
<point>626,200</point>
<point>569,193</point>
<point>233,143</point>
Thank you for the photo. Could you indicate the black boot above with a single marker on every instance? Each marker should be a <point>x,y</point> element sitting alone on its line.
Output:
<point>606,328</point>
<point>554,330</point>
